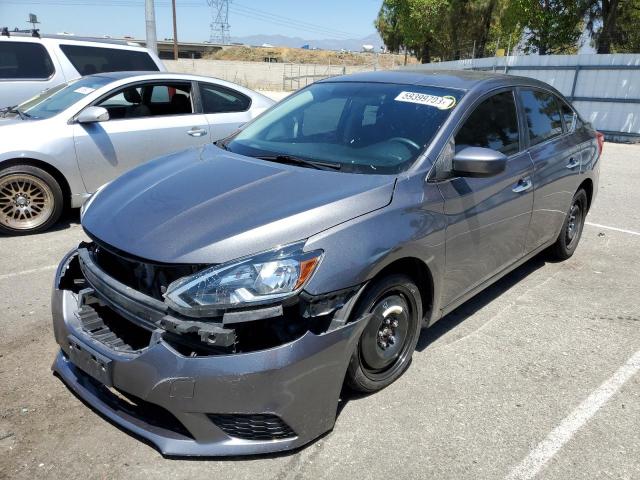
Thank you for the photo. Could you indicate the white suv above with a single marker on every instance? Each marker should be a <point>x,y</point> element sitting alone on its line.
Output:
<point>29,65</point>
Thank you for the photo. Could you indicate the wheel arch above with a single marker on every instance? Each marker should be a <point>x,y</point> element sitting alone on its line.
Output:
<point>419,272</point>
<point>587,186</point>
<point>47,167</point>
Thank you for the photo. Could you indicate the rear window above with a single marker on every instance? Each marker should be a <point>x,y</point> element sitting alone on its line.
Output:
<point>24,60</point>
<point>217,99</point>
<point>90,60</point>
<point>543,115</point>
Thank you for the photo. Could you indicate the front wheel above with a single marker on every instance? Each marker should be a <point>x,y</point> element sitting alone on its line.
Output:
<point>569,237</point>
<point>389,339</point>
<point>30,200</point>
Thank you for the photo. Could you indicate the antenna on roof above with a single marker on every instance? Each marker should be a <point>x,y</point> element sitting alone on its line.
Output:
<point>33,20</point>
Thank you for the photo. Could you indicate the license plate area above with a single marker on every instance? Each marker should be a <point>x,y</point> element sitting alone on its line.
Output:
<point>91,362</point>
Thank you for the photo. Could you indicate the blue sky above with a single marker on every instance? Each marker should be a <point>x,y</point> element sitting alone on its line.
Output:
<point>313,20</point>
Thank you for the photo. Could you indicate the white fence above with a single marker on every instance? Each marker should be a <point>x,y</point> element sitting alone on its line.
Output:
<point>604,88</point>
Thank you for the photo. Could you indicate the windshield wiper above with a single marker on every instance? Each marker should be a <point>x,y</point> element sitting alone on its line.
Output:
<point>221,143</point>
<point>15,109</point>
<point>301,161</point>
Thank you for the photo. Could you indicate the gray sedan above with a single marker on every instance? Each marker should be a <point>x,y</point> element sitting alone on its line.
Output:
<point>229,291</point>
<point>59,147</point>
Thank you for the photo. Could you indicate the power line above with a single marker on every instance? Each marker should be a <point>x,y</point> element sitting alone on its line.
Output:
<point>239,9</point>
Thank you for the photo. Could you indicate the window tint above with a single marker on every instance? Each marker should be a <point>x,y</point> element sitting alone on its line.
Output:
<point>493,124</point>
<point>543,115</point>
<point>569,116</point>
<point>149,101</point>
<point>24,60</point>
<point>217,99</point>
<point>90,60</point>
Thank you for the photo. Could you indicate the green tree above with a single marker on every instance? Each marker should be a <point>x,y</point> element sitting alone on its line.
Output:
<point>613,25</point>
<point>549,26</point>
<point>414,24</point>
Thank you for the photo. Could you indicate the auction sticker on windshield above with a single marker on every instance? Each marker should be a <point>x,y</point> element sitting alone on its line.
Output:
<point>84,90</point>
<point>442,103</point>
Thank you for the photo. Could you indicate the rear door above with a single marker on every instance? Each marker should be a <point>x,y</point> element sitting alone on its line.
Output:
<point>487,218</point>
<point>225,109</point>
<point>556,158</point>
<point>146,121</point>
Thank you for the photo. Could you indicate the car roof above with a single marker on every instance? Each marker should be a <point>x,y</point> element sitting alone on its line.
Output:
<point>456,79</point>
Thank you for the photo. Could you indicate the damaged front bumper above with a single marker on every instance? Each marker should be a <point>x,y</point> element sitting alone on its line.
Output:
<point>260,401</point>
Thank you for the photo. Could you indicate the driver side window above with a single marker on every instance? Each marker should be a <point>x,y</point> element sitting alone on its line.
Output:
<point>493,124</point>
<point>149,100</point>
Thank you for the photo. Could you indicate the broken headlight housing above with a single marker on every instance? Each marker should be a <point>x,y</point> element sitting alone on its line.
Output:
<point>261,279</point>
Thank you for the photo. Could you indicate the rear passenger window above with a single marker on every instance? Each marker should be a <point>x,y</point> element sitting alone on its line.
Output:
<point>217,99</point>
<point>90,60</point>
<point>493,124</point>
<point>543,115</point>
<point>24,60</point>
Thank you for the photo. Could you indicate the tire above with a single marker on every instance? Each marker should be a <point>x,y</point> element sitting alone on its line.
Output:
<point>569,236</point>
<point>31,200</point>
<point>385,347</point>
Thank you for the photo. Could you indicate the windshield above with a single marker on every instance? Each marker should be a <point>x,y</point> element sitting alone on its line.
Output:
<point>373,128</point>
<point>59,98</point>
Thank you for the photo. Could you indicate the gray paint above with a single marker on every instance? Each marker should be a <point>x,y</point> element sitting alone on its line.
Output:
<point>209,206</point>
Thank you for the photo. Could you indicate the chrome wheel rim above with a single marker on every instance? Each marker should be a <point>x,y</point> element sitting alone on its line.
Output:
<point>26,202</point>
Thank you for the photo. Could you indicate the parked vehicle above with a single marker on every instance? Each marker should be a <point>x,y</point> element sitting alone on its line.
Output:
<point>30,65</point>
<point>62,145</point>
<point>228,290</point>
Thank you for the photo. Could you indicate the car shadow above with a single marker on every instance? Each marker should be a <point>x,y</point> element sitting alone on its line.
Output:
<point>460,314</point>
<point>70,217</point>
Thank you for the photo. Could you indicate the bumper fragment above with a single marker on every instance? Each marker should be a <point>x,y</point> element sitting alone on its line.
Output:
<point>292,389</point>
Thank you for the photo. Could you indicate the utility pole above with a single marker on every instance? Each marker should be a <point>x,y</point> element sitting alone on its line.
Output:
<point>150,19</point>
<point>175,31</point>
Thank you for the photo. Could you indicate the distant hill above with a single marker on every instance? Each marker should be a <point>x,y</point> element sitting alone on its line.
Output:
<point>352,44</point>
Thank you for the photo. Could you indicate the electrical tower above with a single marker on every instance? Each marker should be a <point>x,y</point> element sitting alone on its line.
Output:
<point>220,30</point>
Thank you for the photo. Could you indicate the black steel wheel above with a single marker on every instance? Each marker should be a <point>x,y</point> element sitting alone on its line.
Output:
<point>387,343</point>
<point>571,232</point>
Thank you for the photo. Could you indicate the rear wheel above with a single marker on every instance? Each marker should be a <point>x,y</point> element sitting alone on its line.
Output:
<point>30,200</point>
<point>571,232</point>
<point>389,339</point>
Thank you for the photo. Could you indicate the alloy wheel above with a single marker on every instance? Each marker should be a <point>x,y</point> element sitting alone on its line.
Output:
<point>26,202</point>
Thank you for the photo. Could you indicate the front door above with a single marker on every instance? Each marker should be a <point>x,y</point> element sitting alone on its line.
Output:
<point>146,121</point>
<point>487,218</point>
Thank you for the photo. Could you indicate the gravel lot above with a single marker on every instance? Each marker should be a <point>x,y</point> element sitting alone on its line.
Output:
<point>514,367</point>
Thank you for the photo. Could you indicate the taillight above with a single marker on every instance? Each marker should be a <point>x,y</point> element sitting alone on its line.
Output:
<point>600,138</point>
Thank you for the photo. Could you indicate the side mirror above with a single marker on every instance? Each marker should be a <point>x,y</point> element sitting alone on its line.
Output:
<point>478,162</point>
<point>93,115</point>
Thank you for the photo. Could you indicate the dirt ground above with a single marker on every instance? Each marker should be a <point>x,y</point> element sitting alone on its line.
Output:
<point>530,363</point>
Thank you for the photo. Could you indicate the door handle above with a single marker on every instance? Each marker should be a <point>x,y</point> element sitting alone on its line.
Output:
<point>523,185</point>
<point>573,163</point>
<point>197,132</point>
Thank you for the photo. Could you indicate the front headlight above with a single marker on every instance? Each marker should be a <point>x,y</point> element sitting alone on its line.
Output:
<point>261,279</point>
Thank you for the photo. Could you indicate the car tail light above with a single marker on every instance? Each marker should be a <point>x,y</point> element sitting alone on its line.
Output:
<point>600,138</point>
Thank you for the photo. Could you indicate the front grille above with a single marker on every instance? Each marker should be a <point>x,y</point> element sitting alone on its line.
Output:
<point>146,277</point>
<point>253,427</point>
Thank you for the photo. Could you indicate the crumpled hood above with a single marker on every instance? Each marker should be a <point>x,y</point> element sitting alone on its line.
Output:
<point>206,205</point>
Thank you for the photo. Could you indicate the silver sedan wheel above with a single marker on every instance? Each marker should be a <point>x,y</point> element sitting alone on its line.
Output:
<point>26,201</point>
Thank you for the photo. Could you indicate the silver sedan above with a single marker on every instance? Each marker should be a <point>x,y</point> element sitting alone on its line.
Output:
<point>62,145</point>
